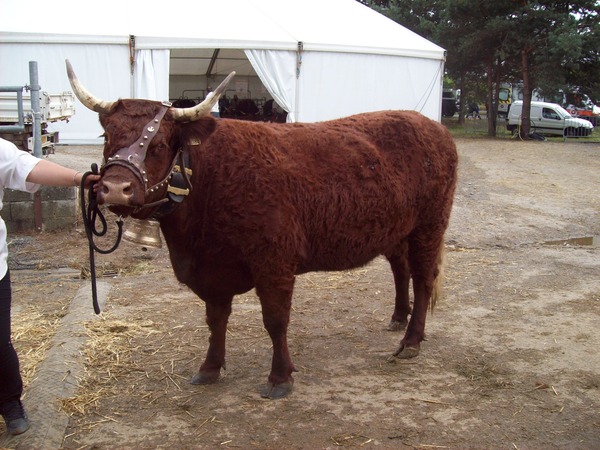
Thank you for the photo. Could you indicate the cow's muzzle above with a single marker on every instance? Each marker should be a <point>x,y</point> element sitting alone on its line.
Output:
<point>115,193</point>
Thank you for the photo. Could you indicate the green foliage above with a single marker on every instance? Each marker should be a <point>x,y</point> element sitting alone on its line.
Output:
<point>549,44</point>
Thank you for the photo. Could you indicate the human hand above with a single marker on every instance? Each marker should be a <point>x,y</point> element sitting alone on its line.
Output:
<point>90,180</point>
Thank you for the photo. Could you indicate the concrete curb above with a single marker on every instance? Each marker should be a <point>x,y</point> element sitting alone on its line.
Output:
<point>57,376</point>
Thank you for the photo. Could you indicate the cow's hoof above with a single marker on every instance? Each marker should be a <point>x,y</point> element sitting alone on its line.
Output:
<point>396,326</point>
<point>205,378</point>
<point>275,391</point>
<point>406,352</point>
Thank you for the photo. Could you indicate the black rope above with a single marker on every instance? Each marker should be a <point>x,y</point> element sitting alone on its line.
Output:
<point>91,213</point>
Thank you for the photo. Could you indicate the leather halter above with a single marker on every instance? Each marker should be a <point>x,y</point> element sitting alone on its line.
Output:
<point>133,158</point>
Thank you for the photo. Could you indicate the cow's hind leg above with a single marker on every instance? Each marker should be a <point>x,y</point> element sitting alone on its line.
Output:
<point>426,260</point>
<point>401,271</point>
<point>276,301</point>
<point>217,315</point>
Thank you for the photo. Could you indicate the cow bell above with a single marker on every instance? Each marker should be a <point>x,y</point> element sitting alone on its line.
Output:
<point>143,232</point>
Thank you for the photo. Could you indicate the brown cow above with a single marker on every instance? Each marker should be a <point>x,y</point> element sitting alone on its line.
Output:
<point>269,201</point>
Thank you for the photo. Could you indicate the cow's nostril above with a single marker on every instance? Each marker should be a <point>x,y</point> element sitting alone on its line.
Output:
<point>115,193</point>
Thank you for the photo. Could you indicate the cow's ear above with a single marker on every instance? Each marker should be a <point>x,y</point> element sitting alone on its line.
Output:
<point>198,130</point>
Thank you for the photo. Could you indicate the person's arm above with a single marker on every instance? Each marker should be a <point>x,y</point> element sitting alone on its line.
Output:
<point>51,174</point>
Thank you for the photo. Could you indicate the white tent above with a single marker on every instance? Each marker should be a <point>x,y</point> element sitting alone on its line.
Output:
<point>319,59</point>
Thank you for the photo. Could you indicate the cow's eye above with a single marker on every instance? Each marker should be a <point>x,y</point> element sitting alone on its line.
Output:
<point>154,151</point>
<point>159,148</point>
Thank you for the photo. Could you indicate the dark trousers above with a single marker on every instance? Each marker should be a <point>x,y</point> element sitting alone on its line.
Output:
<point>11,385</point>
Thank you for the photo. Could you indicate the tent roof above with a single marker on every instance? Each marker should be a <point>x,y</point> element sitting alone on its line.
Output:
<point>330,25</point>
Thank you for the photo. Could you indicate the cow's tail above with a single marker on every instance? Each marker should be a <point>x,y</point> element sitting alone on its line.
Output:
<point>436,293</point>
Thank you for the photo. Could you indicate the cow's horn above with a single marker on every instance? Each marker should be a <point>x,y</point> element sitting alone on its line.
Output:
<point>88,100</point>
<point>202,109</point>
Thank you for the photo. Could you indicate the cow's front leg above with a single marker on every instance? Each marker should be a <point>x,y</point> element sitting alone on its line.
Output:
<point>276,300</point>
<point>217,315</point>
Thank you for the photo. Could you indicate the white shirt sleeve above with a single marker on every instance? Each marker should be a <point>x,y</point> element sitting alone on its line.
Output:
<point>15,166</point>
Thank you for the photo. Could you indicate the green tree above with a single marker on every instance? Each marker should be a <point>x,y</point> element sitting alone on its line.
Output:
<point>546,44</point>
<point>472,31</point>
<point>581,69</point>
<point>476,35</point>
<point>544,40</point>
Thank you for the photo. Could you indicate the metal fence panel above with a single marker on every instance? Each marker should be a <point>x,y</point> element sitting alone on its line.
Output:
<point>562,130</point>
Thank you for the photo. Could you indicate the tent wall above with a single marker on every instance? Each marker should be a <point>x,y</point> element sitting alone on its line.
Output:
<point>330,84</point>
<point>333,85</point>
<point>104,70</point>
<point>151,75</point>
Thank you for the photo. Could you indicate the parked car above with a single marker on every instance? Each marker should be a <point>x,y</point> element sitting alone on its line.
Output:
<point>449,107</point>
<point>548,119</point>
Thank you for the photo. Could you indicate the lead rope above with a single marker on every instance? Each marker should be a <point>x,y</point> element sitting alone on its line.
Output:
<point>90,214</point>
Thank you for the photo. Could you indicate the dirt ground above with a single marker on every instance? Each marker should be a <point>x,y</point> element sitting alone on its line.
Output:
<point>512,357</point>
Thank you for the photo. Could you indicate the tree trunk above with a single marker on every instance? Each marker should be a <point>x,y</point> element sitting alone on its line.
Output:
<point>497,82</point>
<point>527,90</point>
<point>463,96</point>
<point>491,107</point>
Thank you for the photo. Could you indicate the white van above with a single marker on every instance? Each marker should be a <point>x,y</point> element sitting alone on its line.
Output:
<point>548,118</point>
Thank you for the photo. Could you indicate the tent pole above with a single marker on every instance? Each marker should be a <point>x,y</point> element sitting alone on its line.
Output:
<point>212,63</point>
<point>298,67</point>
<point>132,65</point>
<point>441,85</point>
